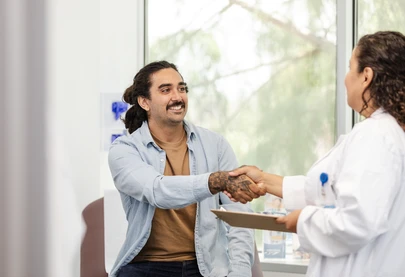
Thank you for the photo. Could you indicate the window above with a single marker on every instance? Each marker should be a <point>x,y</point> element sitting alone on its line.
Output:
<point>261,73</point>
<point>380,15</point>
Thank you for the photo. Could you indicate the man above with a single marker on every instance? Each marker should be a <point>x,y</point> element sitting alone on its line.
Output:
<point>164,172</point>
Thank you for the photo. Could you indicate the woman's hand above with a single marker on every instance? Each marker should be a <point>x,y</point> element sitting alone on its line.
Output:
<point>290,220</point>
<point>253,172</point>
<point>266,183</point>
<point>239,188</point>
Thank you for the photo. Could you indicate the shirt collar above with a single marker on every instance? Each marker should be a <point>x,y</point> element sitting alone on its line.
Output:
<point>378,112</point>
<point>190,130</point>
<point>147,137</point>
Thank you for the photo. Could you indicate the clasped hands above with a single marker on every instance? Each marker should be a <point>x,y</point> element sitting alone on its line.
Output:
<point>242,184</point>
<point>247,183</point>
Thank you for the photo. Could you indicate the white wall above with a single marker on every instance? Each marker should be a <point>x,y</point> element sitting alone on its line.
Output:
<point>73,81</point>
<point>121,56</point>
<point>121,36</point>
<point>91,49</point>
<point>73,57</point>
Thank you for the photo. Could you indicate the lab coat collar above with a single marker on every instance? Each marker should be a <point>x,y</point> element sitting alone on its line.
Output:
<point>377,112</point>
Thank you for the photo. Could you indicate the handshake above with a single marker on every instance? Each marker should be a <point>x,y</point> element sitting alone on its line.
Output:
<point>242,184</point>
<point>249,182</point>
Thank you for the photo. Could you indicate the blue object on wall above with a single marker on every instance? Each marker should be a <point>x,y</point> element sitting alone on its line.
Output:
<point>115,136</point>
<point>118,108</point>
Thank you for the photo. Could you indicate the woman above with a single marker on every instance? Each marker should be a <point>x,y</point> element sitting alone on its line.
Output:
<point>349,210</point>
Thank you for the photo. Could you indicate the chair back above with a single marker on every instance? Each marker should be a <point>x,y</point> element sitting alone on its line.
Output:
<point>92,247</point>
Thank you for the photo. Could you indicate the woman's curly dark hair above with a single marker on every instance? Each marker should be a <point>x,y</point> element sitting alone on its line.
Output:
<point>135,115</point>
<point>384,53</point>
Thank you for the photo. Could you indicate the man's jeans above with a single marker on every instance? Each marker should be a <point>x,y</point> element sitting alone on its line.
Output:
<point>161,269</point>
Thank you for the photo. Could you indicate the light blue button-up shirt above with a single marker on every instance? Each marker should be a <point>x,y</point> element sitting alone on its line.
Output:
<point>137,164</point>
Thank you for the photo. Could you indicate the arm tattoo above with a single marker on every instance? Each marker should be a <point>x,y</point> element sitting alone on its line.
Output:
<point>220,181</point>
<point>216,181</point>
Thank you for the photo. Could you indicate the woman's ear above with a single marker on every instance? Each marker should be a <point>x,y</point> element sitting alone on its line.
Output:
<point>368,74</point>
<point>143,103</point>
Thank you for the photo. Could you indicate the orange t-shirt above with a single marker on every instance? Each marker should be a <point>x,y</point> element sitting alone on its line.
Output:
<point>172,234</point>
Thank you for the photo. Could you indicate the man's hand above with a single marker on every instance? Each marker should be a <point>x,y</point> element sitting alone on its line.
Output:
<point>266,182</point>
<point>290,220</point>
<point>253,172</point>
<point>240,187</point>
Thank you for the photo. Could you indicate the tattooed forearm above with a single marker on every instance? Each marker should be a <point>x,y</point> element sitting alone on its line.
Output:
<point>220,181</point>
<point>216,181</point>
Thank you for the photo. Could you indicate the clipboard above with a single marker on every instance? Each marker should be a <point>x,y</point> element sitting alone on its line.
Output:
<point>251,220</point>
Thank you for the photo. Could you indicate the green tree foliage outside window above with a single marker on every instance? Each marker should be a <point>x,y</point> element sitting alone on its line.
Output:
<point>261,73</point>
<point>380,15</point>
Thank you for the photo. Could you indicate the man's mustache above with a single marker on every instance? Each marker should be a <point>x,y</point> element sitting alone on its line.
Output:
<point>176,104</point>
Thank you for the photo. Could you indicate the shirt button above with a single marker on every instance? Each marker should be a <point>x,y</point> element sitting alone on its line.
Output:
<point>161,160</point>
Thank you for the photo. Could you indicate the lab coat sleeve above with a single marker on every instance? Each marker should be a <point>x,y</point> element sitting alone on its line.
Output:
<point>241,240</point>
<point>294,192</point>
<point>134,177</point>
<point>365,187</point>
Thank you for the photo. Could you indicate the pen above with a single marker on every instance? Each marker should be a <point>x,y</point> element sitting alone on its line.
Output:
<point>324,178</point>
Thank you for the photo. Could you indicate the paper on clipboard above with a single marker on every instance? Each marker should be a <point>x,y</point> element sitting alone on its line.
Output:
<point>251,220</point>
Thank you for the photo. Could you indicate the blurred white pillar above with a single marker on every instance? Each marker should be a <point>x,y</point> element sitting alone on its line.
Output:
<point>346,28</point>
<point>49,90</point>
<point>23,163</point>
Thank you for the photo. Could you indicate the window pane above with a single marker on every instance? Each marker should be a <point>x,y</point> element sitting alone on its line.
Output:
<point>380,15</point>
<point>261,73</point>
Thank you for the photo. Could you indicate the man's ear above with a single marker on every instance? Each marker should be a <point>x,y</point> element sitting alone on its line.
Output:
<point>368,74</point>
<point>143,103</point>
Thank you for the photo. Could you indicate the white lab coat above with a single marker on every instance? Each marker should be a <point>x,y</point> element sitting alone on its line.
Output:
<point>364,235</point>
